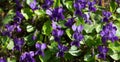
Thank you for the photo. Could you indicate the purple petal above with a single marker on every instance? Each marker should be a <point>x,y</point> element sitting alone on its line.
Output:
<point>74,27</point>
<point>38,45</point>
<point>80,28</point>
<point>49,12</point>
<point>43,46</point>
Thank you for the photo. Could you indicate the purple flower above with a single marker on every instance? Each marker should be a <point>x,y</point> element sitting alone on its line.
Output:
<point>33,5</point>
<point>103,52</point>
<point>109,33</point>
<point>77,36</point>
<point>35,35</point>
<point>62,49</point>
<point>77,28</point>
<point>91,6</point>
<point>19,6</point>
<point>70,22</point>
<point>18,28</point>
<point>76,43</point>
<point>86,18</point>
<point>27,57</point>
<point>18,17</point>
<point>56,14</point>
<point>55,26</point>
<point>106,15</point>
<point>57,33</point>
<point>40,48</point>
<point>79,5</point>
<point>10,28</point>
<point>2,59</point>
<point>47,4</point>
<point>78,12</point>
<point>18,43</point>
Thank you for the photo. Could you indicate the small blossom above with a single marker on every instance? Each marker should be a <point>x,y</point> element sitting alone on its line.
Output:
<point>47,4</point>
<point>56,14</point>
<point>18,43</point>
<point>2,59</point>
<point>91,6</point>
<point>106,15</point>
<point>62,49</point>
<point>33,5</point>
<point>109,33</point>
<point>103,52</point>
<point>86,18</point>
<point>70,22</point>
<point>27,57</point>
<point>40,48</point>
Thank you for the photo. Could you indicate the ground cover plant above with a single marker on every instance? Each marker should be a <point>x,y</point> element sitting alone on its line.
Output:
<point>59,30</point>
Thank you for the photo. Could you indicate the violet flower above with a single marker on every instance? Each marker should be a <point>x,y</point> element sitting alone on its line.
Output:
<point>62,49</point>
<point>18,17</point>
<point>108,33</point>
<point>56,14</point>
<point>40,48</point>
<point>106,16</point>
<point>33,5</point>
<point>57,31</point>
<point>18,43</point>
<point>86,18</point>
<point>47,4</point>
<point>70,22</point>
<point>27,57</point>
<point>91,6</point>
<point>103,52</point>
<point>77,35</point>
<point>2,59</point>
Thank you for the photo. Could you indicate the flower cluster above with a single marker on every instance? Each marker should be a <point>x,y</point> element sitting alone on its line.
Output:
<point>69,24</point>
<point>77,35</point>
<point>109,33</point>
<point>103,51</point>
<point>27,57</point>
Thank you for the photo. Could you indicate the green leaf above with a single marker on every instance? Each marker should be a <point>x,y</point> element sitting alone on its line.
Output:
<point>47,56</point>
<point>118,10</point>
<point>69,5</point>
<point>73,51</point>
<point>39,12</point>
<point>27,13</point>
<point>79,21</point>
<point>30,28</point>
<point>89,28</point>
<point>56,3</point>
<point>29,40</point>
<point>47,28</point>
<point>10,45</point>
<point>11,60</point>
<point>69,34</point>
<point>115,56</point>
<point>89,58</point>
<point>8,17</point>
<point>4,39</point>
<point>115,47</point>
<point>113,6</point>
<point>98,28</point>
<point>29,1</point>
<point>118,29</point>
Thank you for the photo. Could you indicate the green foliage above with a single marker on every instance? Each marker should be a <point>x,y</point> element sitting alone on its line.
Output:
<point>27,13</point>
<point>9,17</point>
<point>47,28</point>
